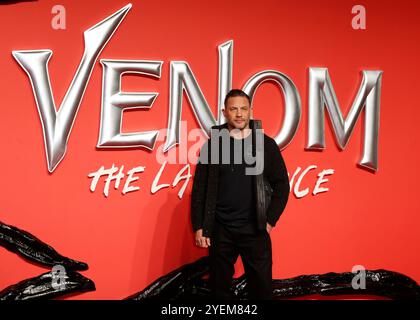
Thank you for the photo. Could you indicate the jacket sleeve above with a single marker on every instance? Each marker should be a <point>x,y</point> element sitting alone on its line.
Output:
<point>276,174</point>
<point>199,188</point>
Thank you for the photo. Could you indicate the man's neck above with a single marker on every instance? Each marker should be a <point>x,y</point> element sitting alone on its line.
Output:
<point>239,133</point>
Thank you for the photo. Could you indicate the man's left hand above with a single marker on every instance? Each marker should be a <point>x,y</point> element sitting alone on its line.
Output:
<point>269,227</point>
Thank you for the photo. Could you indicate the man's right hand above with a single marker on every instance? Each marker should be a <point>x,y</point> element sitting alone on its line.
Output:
<point>200,241</point>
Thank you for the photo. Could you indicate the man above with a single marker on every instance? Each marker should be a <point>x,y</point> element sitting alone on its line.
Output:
<point>226,212</point>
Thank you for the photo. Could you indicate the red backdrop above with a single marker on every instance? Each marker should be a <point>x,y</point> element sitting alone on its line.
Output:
<point>365,218</point>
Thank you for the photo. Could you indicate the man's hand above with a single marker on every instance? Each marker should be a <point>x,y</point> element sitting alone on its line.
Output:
<point>200,241</point>
<point>269,227</point>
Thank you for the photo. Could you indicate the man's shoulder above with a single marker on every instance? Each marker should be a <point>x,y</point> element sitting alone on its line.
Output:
<point>269,140</point>
<point>219,126</point>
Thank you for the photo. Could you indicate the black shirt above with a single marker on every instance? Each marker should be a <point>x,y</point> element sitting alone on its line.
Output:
<point>235,205</point>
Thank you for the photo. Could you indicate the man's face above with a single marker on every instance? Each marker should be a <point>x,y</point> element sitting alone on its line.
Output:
<point>237,112</point>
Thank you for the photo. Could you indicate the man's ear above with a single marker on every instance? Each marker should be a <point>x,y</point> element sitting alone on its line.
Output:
<point>224,112</point>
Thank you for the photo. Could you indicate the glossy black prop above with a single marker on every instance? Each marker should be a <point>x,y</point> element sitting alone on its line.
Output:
<point>42,287</point>
<point>186,283</point>
<point>60,281</point>
<point>177,283</point>
<point>6,2</point>
<point>379,282</point>
<point>30,247</point>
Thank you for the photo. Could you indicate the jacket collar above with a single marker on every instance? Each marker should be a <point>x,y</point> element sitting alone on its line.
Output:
<point>225,125</point>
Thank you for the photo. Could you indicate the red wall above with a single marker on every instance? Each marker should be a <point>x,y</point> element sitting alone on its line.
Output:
<point>365,218</point>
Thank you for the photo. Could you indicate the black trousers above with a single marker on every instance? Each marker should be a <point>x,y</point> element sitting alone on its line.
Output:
<point>254,246</point>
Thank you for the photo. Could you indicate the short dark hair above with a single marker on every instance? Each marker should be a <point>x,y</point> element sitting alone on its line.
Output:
<point>237,93</point>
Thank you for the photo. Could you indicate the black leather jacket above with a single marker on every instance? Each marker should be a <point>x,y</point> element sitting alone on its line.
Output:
<point>274,175</point>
